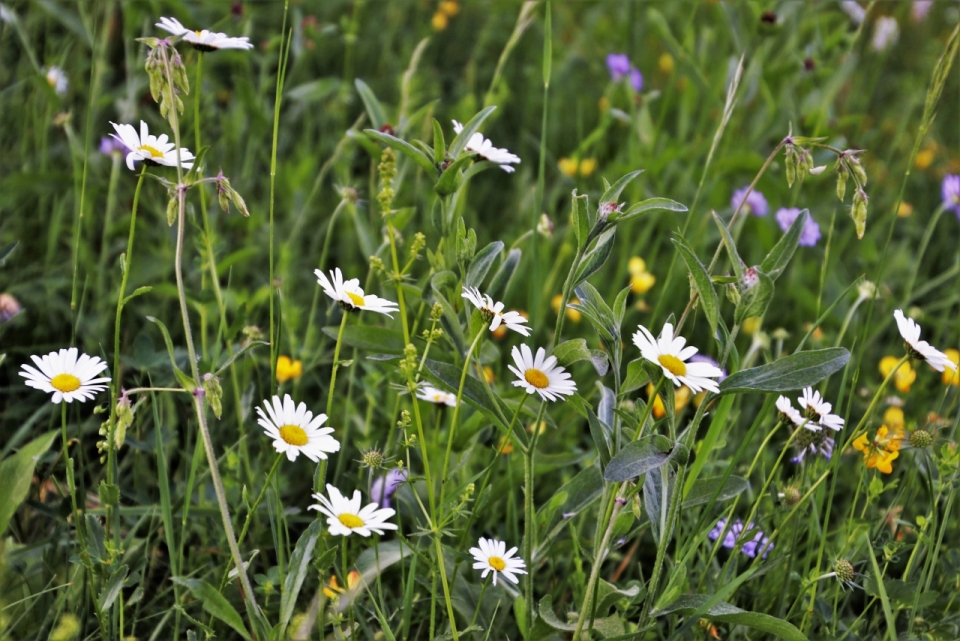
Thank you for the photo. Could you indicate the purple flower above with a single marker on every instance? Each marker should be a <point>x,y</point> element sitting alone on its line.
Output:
<point>110,146</point>
<point>811,231</point>
<point>618,64</point>
<point>756,204</point>
<point>389,481</point>
<point>703,358</point>
<point>951,193</point>
<point>812,443</point>
<point>758,543</point>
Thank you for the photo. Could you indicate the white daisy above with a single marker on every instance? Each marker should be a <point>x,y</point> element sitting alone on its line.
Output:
<point>57,79</point>
<point>483,302</point>
<point>817,409</point>
<point>67,376</point>
<point>350,295</point>
<point>919,349</point>
<point>294,430</point>
<point>493,556</point>
<point>204,40</point>
<point>345,517</point>
<point>541,375</point>
<point>670,354</point>
<point>789,414</point>
<point>434,395</point>
<point>149,148</point>
<point>485,149</point>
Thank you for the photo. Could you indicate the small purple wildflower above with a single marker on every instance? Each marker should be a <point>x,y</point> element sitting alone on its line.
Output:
<point>811,231</point>
<point>618,64</point>
<point>813,443</point>
<point>951,193</point>
<point>756,204</point>
<point>703,358</point>
<point>390,481</point>
<point>110,146</point>
<point>758,544</point>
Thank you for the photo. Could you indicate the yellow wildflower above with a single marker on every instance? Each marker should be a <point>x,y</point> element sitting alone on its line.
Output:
<point>904,210</point>
<point>666,63</point>
<point>488,374</point>
<point>573,315</point>
<point>641,281</point>
<point>904,377</point>
<point>288,368</point>
<point>894,417</point>
<point>751,325</point>
<point>439,21</point>
<point>882,450</point>
<point>636,265</point>
<point>449,7</point>
<point>568,167</point>
<point>603,104</point>
<point>543,427</point>
<point>951,377</point>
<point>332,589</point>
<point>925,157</point>
<point>681,397</point>
<point>588,166</point>
<point>506,445</point>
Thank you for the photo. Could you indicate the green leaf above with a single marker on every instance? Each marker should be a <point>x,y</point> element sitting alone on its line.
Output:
<point>881,590</point>
<point>240,352</point>
<point>406,149</point>
<point>369,337</point>
<point>647,206</point>
<point>637,458</point>
<point>481,264</point>
<point>576,350</point>
<point>608,594</point>
<point>581,218</point>
<point>16,472</point>
<point>439,144</point>
<point>452,177</point>
<point>111,589</point>
<point>137,292</point>
<point>754,301</point>
<point>731,246</point>
<point>637,376</point>
<point>375,110</point>
<point>504,274</point>
<point>703,490</point>
<point>718,423</point>
<point>458,143</point>
<point>214,603</point>
<point>594,259</point>
<point>474,391</point>
<point>597,311</point>
<point>613,193</point>
<point>778,258</point>
<point>726,613</point>
<point>297,572</point>
<point>6,250</point>
<point>185,381</point>
<point>371,562</point>
<point>701,280</point>
<point>789,373</point>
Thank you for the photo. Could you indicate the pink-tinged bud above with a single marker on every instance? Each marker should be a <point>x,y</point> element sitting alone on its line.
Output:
<point>750,278</point>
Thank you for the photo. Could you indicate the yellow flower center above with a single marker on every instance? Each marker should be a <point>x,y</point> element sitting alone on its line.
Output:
<point>673,364</point>
<point>351,520</point>
<point>197,32</point>
<point>65,383</point>
<point>294,435</point>
<point>153,151</point>
<point>497,563</point>
<point>356,299</point>
<point>536,378</point>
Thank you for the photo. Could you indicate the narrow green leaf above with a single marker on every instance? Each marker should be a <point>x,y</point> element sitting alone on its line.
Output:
<point>452,177</point>
<point>481,264</point>
<point>581,218</point>
<point>703,490</point>
<point>16,472</point>
<point>754,301</point>
<point>474,391</point>
<point>370,338</point>
<point>137,292</point>
<point>214,603</point>
<point>460,141</point>
<point>687,604</point>
<point>6,250</point>
<point>612,193</point>
<point>406,149</point>
<point>647,206</point>
<point>547,46</point>
<point>594,259</point>
<point>637,458</point>
<point>717,425</point>
<point>884,600</point>
<point>297,571</point>
<point>185,381</point>
<point>240,352</point>
<point>789,373</point>
<point>439,144</point>
<point>375,110</point>
<point>779,257</point>
<point>709,302</point>
<point>731,246</point>
<point>111,589</point>
<point>504,274</point>
<point>576,350</point>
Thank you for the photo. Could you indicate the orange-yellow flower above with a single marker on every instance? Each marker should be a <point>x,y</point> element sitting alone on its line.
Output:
<point>449,7</point>
<point>904,377</point>
<point>573,315</point>
<point>506,445</point>
<point>439,21</point>
<point>904,210</point>
<point>332,589</point>
<point>568,167</point>
<point>751,325</point>
<point>893,417</point>
<point>488,374</point>
<point>680,399</point>
<point>666,63</point>
<point>288,368</point>
<point>951,377</point>
<point>641,281</point>
<point>882,450</point>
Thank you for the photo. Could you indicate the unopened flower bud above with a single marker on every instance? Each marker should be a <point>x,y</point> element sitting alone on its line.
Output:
<point>9,307</point>
<point>844,570</point>
<point>372,458</point>
<point>921,438</point>
<point>750,278</point>
<point>791,495</point>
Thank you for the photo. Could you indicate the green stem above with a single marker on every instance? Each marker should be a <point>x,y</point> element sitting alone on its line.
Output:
<point>530,531</point>
<point>456,409</point>
<point>446,587</point>
<point>336,363</point>
<point>281,76</point>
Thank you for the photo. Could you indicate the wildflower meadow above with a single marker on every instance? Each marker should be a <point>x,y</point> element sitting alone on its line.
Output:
<point>479,319</point>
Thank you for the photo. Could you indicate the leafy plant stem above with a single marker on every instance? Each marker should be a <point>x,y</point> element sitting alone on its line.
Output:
<point>529,520</point>
<point>456,409</point>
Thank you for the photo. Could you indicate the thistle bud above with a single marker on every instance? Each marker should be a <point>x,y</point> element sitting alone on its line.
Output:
<point>373,459</point>
<point>791,495</point>
<point>920,438</point>
<point>844,570</point>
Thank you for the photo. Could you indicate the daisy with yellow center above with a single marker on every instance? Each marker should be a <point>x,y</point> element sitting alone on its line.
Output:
<point>439,397</point>
<point>202,39</point>
<point>922,350</point>
<point>57,79</point>
<point>541,374</point>
<point>294,429</point>
<point>882,450</point>
<point>288,368</point>
<point>493,556</point>
<point>150,149</point>
<point>345,516</point>
<point>669,352</point>
<point>494,312</point>
<point>350,295</point>
<point>66,374</point>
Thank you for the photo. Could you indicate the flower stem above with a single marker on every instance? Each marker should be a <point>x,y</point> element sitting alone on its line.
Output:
<point>456,410</point>
<point>336,363</point>
<point>530,530</point>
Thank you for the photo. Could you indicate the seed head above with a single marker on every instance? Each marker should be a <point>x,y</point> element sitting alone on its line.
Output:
<point>791,494</point>
<point>921,438</point>
<point>844,570</point>
<point>372,458</point>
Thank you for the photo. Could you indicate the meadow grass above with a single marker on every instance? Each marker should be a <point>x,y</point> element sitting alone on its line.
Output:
<point>384,212</point>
